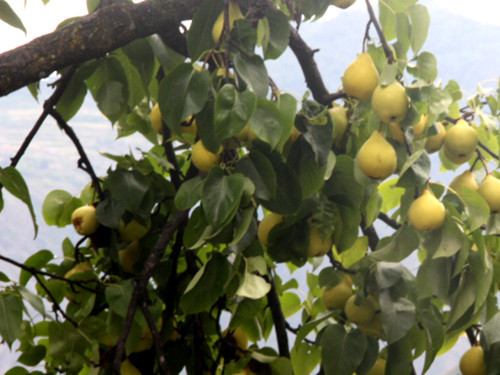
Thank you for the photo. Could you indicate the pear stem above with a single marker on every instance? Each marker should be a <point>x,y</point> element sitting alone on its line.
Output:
<point>481,157</point>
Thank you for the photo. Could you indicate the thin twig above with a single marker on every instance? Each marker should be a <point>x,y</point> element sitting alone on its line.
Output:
<point>389,221</point>
<point>488,150</point>
<point>383,41</point>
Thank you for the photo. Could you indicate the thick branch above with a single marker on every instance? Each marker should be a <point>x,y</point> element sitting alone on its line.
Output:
<point>279,320</point>
<point>90,37</point>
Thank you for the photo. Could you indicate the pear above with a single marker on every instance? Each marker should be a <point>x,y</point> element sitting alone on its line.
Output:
<point>490,191</point>
<point>336,296</point>
<point>379,367</point>
<point>464,179</point>
<point>359,314</point>
<point>396,132</point>
<point>472,361</point>
<point>390,103</point>
<point>419,127</point>
<point>361,77</point>
<point>340,122</point>
<point>426,212</point>
<point>377,158</point>
<point>434,142</point>
<point>234,14</point>
<point>203,159</point>
<point>460,142</point>
<point>265,226</point>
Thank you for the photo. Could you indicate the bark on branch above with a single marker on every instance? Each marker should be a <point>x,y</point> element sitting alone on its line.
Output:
<point>90,37</point>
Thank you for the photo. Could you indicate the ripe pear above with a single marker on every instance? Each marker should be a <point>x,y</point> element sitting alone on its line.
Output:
<point>203,159</point>
<point>464,179</point>
<point>426,212</point>
<point>79,268</point>
<point>377,158</point>
<point>434,142</point>
<point>379,367</point>
<point>127,368</point>
<point>396,132</point>
<point>336,296</point>
<point>489,189</point>
<point>390,103</point>
<point>343,4</point>
<point>267,223</point>
<point>361,77</point>
<point>155,118</point>
<point>84,220</point>
<point>133,230</point>
<point>419,127</point>
<point>319,244</point>
<point>359,313</point>
<point>340,122</point>
<point>460,142</point>
<point>472,361</point>
<point>234,14</point>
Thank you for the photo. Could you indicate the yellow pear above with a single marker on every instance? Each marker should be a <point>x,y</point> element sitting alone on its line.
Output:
<point>390,103</point>
<point>79,268</point>
<point>489,189</point>
<point>84,220</point>
<point>127,368</point>
<point>434,142</point>
<point>472,361</point>
<point>336,296</point>
<point>464,179</point>
<point>155,118</point>
<point>203,159</point>
<point>129,257</point>
<point>340,122</point>
<point>359,313</point>
<point>343,4</point>
<point>377,158</point>
<point>396,132</point>
<point>319,244</point>
<point>419,127</point>
<point>234,14</point>
<point>460,142</point>
<point>189,126</point>
<point>426,212</point>
<point>133,230</point>
<point>267,223</point>
<point>379,367</point>
<point>361,77</point>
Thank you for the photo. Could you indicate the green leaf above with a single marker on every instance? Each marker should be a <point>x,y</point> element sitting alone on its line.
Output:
<point>182,93</point>
<point>11,316</point>
<point>34,300</point>
<point>463,299</point>
<point>118,296</point>
<point>141,62</point>
<point>416,170</point>
<point>33,355</point>
<point>221,196</point>
<point>279,33</point>
<point>129,188</point>
<point>287,105</point>
<point>398,316</point>
<point>13,181</point>
<point>197,230</point>
<point>403,31</point>
<point>72,97</point>
<point>37,260</point>
<point>58,207</point>
<point>491,331</point>
<point>253,286</point>
<point>391,194</point>
<point>206,286</point>
<point>425,68</point>
<point>420,21</point>
<point>400,246</point>
<point>189,193</point>
<point>66,343</point>
<point>260,171</point>
<point>478,210</point>
<point>305,358</point>
<point>451,238</point>
<point>199,37</point>
<point>8,15</point>
<point>232,110</point>
<point>342,186</point>
<point>244,224</point>
<point>266,122</point>
<point>434,335</point>
<point>341,351</point>
<point>253,71</point>
<point>440,101</point>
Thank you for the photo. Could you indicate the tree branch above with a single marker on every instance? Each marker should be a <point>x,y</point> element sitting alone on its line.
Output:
<point>385,46</point>
<point>90,37</point>
<point>279,319</point>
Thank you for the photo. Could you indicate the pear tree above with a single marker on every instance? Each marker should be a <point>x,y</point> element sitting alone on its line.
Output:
<point>190,257</point>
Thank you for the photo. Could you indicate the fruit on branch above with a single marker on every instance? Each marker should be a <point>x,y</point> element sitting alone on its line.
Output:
<point>246,136</point>
<point>359,313</point>
<point>373,327</point>
<point>203,159</point>
<point>361,77</point>
<point>396,132</point>
<point>379,367</point>
<point>127,368</point>
<point>237,340</point>
<point>156,119</point>
<point>472,361</point>
<point>390,103</point>
<point>464,179</point>
<point>189,126</point>
<point>129,257</point>
<point>344,4</point>
<point>319,243</point>
<point>336,296</point>
<point>84,220</point>
<point>234,14</point>
<point>340,122</point>
<point>419,127</point>
<point>434,142</point>
<point>377,158</point>
<point>79,268</point>
<point>460,142</point>
<point>489,189</point>
<point>426,212</point>
<point>133,230</point>
<point>267,223</point>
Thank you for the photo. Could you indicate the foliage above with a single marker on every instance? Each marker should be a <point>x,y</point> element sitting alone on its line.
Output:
<point>200,256</point>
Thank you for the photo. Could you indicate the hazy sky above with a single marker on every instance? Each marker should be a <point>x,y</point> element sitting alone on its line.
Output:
<point>40,19</point>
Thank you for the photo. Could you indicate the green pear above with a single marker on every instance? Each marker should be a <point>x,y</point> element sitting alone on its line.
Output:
<point>390,103</point>
<point>464,179</point>
<point>489,189</point>
<point>426,212</point>
<point>340,122</point>
<point>434,142</point>
<point>460,142</point>
<point>377,158</point>
<point>336,296</point>
<point>360,78</point>
<point>359,313</point>
<point>234,14</point>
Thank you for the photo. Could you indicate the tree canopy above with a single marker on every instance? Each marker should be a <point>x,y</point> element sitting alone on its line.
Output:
<point>182,252</point>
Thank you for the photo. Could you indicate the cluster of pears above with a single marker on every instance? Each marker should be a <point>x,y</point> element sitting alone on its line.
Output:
<point>472,361</point>
<point>489,189</point>
<point>319,245</point>
<point>363,312</point>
